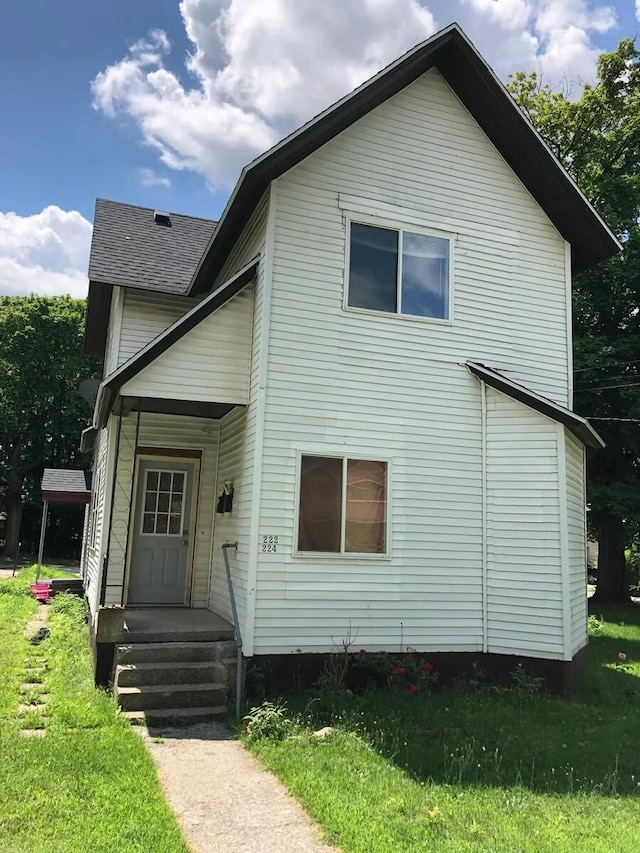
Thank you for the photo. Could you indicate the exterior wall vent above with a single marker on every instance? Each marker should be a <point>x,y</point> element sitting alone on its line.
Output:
<point>162,217</point>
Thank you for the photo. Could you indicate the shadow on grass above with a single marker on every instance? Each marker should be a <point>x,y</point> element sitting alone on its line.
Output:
<point>488,737</point>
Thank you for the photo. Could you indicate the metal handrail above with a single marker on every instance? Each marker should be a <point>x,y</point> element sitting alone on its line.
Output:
<point>237,635</point>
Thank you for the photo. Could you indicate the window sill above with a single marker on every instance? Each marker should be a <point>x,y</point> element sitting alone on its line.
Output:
<point>334,555</point>
<point>385,315</point>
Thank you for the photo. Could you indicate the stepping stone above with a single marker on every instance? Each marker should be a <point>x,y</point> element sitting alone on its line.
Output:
<point>31,685</point>
<point>24,709</point>
<point>32,732</point>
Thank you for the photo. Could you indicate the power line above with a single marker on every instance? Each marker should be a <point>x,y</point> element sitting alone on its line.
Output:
<point>627,420</point>
<point>619,376</point>
<point>608,387</point>
<point>606,367</point>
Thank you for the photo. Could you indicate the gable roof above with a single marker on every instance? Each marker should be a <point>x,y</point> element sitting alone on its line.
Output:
<point>579,426</point>
<point>482,93</point>
<point>130,248</point>
<point>110,387</point>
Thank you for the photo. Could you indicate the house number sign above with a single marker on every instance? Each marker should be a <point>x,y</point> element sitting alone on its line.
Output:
<point>269,544</point>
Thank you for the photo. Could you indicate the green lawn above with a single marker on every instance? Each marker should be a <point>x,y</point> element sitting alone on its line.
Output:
<point>89,784</point>
<point>478,770</point>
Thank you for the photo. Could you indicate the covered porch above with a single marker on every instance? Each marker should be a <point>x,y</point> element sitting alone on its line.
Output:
<point>169,625</point>
<point>164,410</point>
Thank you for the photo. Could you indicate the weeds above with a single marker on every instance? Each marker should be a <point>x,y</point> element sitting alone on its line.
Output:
<point>268,721</point>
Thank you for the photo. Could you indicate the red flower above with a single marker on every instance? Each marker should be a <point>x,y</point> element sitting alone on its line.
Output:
<point>413,688</point>
<point>428,667</point>
<point>363,651</point>
<point>402,670</point>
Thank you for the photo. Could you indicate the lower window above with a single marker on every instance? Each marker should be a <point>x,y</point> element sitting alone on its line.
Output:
<point>343,505</point>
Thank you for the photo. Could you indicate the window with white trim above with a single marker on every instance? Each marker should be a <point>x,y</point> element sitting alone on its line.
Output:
<point>93,509</point>
<point>398,271</point>
<point>342,506</point>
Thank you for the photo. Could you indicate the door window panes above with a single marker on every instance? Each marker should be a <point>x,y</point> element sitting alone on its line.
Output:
<point>163,503</point>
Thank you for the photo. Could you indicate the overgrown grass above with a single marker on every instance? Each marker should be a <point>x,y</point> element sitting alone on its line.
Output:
<point>478,769</point>
<point>89,783</point>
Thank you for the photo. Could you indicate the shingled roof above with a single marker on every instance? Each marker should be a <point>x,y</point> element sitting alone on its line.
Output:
<point>131,247</point>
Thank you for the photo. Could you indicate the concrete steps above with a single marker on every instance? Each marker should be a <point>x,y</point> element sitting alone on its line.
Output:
<point>181,681</point>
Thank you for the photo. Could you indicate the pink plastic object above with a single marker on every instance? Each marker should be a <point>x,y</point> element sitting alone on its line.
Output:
<point>40,591</point>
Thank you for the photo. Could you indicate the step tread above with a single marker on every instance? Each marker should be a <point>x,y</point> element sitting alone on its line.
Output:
<point>177,713</point>
<point>181,644</point>
<point>152,665</point>
<point>169,688</point>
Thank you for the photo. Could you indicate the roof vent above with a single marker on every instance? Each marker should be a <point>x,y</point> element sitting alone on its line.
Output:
<point>162,217</point>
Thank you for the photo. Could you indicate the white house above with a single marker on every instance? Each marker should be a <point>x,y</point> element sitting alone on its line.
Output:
<point>365,367</point>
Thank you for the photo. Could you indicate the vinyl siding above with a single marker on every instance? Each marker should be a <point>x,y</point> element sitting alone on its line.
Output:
<point>113,331</point>
<point>379,386</point>
<point>577,541</point>
<point>164,431</point>
<point>145,316</point>
<point>94,550</point>
<point>233,526</point>
<point>211,362</point>
<point>524,553</point>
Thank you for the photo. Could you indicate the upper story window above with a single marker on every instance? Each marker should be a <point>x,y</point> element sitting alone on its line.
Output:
<point>399,271</point>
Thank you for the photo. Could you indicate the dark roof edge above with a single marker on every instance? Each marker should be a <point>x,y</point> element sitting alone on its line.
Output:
<point>110,386</point>
<point>256,177</point>
<point>576,424</point>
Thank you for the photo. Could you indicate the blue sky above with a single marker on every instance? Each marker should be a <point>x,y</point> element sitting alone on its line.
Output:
<point>161,102</point>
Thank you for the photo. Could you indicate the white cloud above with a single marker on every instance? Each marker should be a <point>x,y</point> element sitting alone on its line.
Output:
<point>638,9</point>
<point>46,253</point>
<point>150,178</point>
<point>259,70</point>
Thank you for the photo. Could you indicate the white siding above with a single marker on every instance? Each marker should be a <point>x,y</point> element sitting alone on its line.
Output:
<point>524,566</point>
<point>164,431</point>
<point>378,385</point>
<point>211,361</point>
<point>145,316</point>
<point>234,526</point>
<point>577,541</point>
<point>96,544</point>
<point>113,331</point>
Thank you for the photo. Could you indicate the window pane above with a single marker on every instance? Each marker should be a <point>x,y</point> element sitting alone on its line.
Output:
<point>162,523</point>
<point>373,268</point>
<point>165,481</point>
<point>178,483</point>
<point>152,480</point>
<point>320,504</point>
<point>174,523</point>
<point>425,275</point>
<point>163,502</point>
<point>150,501</point>
<point>148,523</point>
<point>366,525</point>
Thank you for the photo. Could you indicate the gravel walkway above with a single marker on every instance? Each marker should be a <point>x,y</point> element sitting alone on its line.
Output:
<point>224,801</point>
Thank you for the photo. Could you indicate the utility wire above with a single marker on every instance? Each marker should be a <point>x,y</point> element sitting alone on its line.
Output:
<point>608,387</point>
<point>606,367</point>
<point>626,420</point>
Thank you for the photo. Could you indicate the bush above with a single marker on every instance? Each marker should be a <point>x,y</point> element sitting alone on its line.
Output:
<point>269,722</point>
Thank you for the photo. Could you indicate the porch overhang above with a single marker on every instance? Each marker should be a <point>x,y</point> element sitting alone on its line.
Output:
<point>117,391</point>
<point>577,425</point>
<point>65,486</point>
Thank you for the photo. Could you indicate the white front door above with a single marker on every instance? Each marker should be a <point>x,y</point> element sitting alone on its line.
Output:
<point>160,542</point>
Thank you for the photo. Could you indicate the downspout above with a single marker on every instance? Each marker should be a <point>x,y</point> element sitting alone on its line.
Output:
<point>485,607</point>
<point>131,500</point>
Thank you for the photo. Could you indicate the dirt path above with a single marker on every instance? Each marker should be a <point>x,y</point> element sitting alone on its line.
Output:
<point>223,800</point>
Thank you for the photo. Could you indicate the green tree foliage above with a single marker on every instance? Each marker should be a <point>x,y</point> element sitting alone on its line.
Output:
<point>597,138</point>
<point>41,411</point>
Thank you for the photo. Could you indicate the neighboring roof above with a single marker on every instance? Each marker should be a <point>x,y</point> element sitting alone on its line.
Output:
<point>580,427</point>
<point>60,485</point>
<point>109,388</point>
<point>451,52</point>
<point>130,248</point>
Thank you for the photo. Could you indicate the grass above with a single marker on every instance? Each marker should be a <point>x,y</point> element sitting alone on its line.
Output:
<point>478,769</point>
<point>89,783</point>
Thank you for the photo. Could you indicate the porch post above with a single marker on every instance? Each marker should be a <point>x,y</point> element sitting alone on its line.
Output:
<point>43,529</point>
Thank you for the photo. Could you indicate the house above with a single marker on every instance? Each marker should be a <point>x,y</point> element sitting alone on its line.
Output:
<point>361,376</point>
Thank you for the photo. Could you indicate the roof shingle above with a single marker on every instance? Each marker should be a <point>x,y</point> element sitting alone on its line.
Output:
<point>129,248</point>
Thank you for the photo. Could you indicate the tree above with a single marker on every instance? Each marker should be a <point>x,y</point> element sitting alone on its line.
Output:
<point>41,411</point>
<point>597,138</point>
